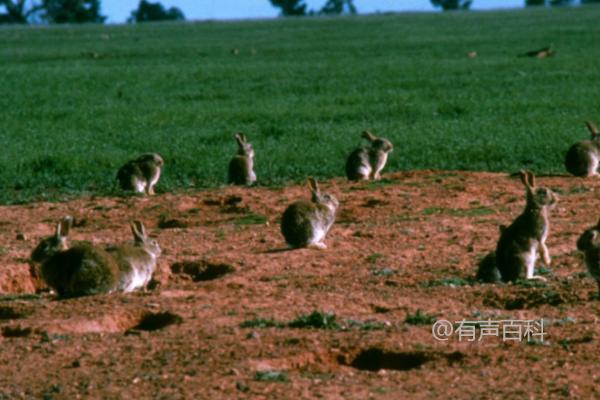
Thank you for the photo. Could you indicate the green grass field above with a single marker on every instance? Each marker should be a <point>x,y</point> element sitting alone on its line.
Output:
<point>77,102</point>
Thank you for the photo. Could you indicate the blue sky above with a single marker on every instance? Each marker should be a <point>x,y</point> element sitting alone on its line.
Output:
<point>118,10</point>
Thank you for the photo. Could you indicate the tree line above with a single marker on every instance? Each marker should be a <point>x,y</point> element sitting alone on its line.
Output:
<point>78,11</point>
<point>82,11</point>
<point>299,7</point>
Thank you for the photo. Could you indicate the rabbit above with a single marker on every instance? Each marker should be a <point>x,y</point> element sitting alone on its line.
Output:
<point>304,223</point>
<point>48,246</point>
<point>78,270</point>
<point>582,157</point>
<point>367,162</point>
<point>241,167</point>
<point>141,174</point>
<point>84,269</point>
<point>589,244</point>
<point>137,262</point>
<point>517,248</point>
<point>487,270</point>
<point>55,243</point>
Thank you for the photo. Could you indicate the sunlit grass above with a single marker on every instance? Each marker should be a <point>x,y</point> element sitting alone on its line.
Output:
<point>77,102</point>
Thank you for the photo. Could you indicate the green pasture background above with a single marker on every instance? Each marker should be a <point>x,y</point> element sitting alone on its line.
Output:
<point>78,101</point>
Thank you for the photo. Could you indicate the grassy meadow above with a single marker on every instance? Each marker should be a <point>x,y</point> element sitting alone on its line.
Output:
<point>78,101</point>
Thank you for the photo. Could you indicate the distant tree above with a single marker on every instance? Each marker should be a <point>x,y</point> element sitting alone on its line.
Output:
<point>72,11</point>
<point>336,7</point>
<point>19,11</point>
<point>147,11</point>
<point>447,5</point>
<point>589,1</point>
<point>529,3</point>
<point>290,7</point>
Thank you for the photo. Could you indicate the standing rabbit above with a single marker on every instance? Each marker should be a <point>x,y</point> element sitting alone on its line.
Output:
<point>518,246</point>
<point>367,162</point>
<point>304,223</point>
<point>84,269</point>
<point>141,174</point>
<point>241,166</point>
<point>582,157</point>
<point>589,244</point>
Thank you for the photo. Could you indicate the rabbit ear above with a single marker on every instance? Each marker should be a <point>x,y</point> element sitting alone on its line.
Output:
<point>527,178</point>
<point>531,179</point>
<point>592,128</point>
<point>369,136</point>
<point>138,230</point>
<point>312,184</point>
<point>241,138</point>
<point>64,226</point>
<point>524,178</point>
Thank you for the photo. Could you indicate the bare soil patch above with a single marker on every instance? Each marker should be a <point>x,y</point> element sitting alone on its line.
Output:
<point>217,322</point>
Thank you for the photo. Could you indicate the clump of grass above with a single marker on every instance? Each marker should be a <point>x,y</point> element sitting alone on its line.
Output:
<point>251,219</point>
<point>530,283</point>
<point>452,282</point>
<point>261,323</point>
<point>366,325</point>
<point>385,272</point>
<point>271,376</point>
<point>574,189</point>
<point>316,319</point>
<point>373,258</point>
<point>420,318</point>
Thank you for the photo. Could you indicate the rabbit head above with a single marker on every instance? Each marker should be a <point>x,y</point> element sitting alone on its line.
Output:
<point>378,143</point>
<point>55,243</point>
<point>537,197</point>
<point>322,198</point>
<point>589,239</point>
<point>152,158</point>
<point>244,148</point>
<point>593,130</point>
<point>142,240</point>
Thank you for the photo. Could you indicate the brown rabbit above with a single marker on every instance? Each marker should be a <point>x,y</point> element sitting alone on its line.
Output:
<point>74,271</point>
<point>137,262</point>
<point>517,249</point>
<point>141,174</point>
<point>241,167</point>
<point>589,244</point>
<point>305,224</point>
<point>583,157</point>
<point>85,269</point>
<point>367,162</point>
<point>48,246</point>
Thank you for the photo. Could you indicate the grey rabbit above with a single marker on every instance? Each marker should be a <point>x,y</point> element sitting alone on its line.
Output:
<point>518,247</point>
<point>141,174</point>
<point>582,158</point>
<point>589,244</point>
<point>306,223</point>
<point>367,162</point>
<point>85,269</point>
<point>241,166</point>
